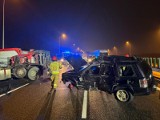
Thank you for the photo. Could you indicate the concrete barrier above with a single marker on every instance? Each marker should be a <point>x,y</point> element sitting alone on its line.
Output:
<point>156,74</point>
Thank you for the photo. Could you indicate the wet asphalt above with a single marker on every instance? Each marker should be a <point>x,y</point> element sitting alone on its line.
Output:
<point>33,102</point>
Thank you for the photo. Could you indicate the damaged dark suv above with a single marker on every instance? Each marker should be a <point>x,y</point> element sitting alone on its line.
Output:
<point>125,77</point>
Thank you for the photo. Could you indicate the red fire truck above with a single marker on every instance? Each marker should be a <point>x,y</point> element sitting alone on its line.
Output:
<point>16,63</point>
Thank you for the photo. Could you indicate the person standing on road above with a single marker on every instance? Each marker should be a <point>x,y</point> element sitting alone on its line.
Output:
<point>54,67</point>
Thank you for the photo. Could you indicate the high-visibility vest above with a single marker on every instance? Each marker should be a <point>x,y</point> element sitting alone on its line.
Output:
<point>54,67</point>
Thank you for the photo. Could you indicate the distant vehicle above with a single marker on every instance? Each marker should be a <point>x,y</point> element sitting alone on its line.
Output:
<point>125,77</point>
<point>100,53</point>
<point>90,58</point>
<point>97,55</point>
<point>20,64</point>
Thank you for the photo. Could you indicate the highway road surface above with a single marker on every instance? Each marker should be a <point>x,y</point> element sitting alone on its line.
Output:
<point>31,101</point>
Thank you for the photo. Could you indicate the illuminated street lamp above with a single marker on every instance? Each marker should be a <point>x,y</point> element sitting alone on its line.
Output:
<point>115,49</point>
<point>3,25</point>
<point>63,36</point>
<point>108,51</point>
<point>128,44</point>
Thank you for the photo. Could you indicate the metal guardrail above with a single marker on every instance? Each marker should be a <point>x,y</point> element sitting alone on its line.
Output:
<point>153,62</point>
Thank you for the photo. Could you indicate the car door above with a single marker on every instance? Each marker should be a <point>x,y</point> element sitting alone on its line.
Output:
<point>107,77</point>
<point>91,75</point>
<point>127,74</point>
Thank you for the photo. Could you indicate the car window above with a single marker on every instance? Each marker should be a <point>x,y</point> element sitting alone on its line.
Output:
<point>106,69</point>
<point>126,71</point>
<point>145,68</point>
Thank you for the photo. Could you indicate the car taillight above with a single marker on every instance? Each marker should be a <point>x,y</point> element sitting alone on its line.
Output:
<point>143,83</point>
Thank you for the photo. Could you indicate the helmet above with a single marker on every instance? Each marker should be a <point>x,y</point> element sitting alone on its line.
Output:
<point>54,58</point>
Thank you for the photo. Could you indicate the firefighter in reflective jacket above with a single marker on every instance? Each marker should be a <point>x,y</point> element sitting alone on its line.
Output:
<point>55,66</point>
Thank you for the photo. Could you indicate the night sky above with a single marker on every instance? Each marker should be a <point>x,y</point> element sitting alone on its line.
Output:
<point>90,24</point>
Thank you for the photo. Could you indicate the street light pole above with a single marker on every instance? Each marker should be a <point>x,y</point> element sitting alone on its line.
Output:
<point>130,47</point>
<point>130,50</point>
<point>59,45</point>
<point>115,49</point>
<point>62,36</point>
<point>3,25</point>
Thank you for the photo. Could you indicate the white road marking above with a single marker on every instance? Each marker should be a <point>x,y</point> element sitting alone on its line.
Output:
<point>2,95</point>
<point>84,108</point>
<point>14,90</point>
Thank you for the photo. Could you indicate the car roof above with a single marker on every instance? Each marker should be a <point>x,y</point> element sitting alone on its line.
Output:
<point>121,59</point>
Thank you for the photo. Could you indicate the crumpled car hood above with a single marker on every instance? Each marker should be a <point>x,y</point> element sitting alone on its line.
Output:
<point>76,61</point>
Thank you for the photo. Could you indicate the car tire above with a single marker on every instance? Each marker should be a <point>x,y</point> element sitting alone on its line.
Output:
<point>33,73</point>
<point>123,95</point>
<point>19,72</point>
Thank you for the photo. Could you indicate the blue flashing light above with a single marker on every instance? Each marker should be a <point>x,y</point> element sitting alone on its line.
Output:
<point>68,52</point>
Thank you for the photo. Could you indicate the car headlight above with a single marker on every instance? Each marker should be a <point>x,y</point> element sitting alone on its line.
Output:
<point>89,60</point>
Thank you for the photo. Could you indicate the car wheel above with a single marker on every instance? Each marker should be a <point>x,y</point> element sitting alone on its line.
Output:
<point>123,95</point>
<point>33,73</point>
<point>20,72</point>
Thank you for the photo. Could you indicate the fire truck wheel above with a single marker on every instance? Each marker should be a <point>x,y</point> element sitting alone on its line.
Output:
<point>33,73</point>
<point>20,72</point>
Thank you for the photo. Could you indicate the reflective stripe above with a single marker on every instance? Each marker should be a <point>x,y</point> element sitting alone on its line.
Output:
<point>54,67</point>
<point>55,72</point>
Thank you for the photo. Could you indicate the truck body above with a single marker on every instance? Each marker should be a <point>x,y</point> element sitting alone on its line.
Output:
<point>16,63</point>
